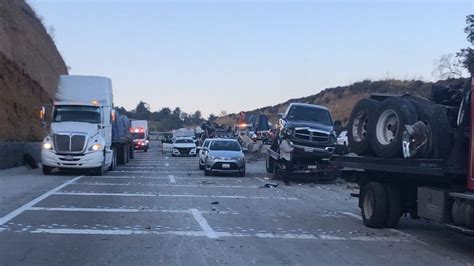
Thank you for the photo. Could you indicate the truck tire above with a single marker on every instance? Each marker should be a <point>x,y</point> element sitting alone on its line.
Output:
<point>113,165</point>
<point>358,133</point>
<point>374,205</point>
<point>389,125</point>
<point>132,151</point>
<point>394,208</point>
<point>440,137</point>
<point>269,164</point>
<point>120,154</point>
<point>99,171</point>
<point>47,170</point>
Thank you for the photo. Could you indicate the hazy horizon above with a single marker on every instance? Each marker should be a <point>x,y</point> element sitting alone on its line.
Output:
<point>229,55</point>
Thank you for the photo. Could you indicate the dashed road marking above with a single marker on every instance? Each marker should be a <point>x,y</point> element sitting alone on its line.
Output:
<point>170,195</point>
<point>5,219</point>
<point>396,231</point>
<point>120,210</point>
<point>197,215</point>
<point>214,235</point>
<point>162,185</point>
<point>172,179</point>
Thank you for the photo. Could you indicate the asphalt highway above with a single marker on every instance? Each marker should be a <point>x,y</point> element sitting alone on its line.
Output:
<point>161,210</point>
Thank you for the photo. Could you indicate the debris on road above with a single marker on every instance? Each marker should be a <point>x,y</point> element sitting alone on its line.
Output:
<point>268,185</point>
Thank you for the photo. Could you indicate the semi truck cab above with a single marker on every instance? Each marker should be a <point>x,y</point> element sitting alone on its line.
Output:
<point>80,135</point>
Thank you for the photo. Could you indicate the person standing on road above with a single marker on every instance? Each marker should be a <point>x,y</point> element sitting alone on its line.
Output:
<point>285,158</point>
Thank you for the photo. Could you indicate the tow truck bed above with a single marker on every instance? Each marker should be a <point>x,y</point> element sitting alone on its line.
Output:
<point>431,167</point>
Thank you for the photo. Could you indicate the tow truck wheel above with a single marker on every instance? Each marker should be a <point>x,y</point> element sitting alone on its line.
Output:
<point>394,209</point>
<point>47,170</point>
<point>374,205</point>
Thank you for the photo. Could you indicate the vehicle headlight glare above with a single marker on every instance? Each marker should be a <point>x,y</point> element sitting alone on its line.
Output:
<point>47,146</point>
<point>96,147</point>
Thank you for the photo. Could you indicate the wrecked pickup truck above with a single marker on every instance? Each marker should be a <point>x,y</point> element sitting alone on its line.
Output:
<point>311,133</point>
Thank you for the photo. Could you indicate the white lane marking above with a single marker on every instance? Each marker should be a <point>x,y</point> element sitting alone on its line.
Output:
<point>261,180</point>
<point>197,215</point>
<point>72,231</point>
<point>169,195</point>
<point>172,180</point>
<point>5,219</point>
<point>121,210</point>
<point>160,185</point>
<point>396,231</point>
<point>106,194</point>
<point>157,172</point>
<point>353,215</point>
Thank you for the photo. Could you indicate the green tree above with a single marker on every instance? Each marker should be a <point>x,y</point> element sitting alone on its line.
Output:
<point>466,55</point>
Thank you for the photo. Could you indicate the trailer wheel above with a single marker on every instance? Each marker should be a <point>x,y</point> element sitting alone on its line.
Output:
<point>389,124</point>
<point>394,208</point>
<point>47,170</point>
<point>374,205</point>
<point>358,134</point>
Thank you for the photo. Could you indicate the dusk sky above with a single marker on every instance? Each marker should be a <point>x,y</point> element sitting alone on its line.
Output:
<point>241,55</point>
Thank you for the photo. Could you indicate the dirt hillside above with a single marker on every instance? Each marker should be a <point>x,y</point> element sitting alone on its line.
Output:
<point>29,68</point>
<point>340,100</point>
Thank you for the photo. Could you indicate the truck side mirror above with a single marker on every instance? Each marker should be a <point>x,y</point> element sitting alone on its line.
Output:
<point>280,115</point>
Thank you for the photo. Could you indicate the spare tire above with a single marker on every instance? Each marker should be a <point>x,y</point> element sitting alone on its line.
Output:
<point>358,134</point>
<point>440,132</point>
<point>388,126</point>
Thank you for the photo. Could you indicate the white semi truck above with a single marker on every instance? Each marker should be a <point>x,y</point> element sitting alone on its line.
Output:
<point>80,135</point>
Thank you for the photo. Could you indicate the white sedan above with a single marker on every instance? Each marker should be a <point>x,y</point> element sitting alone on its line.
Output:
<point>184,147</point>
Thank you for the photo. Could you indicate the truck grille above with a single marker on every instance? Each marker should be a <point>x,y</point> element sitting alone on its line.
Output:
<point>67,143</point>
<point>312,136</point>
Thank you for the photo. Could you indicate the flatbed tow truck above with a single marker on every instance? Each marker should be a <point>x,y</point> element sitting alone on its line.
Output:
<point>441,190</point>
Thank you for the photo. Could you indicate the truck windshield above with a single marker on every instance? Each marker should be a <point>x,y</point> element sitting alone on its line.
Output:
<point>86,114</point>
<point>310,114</point>
<point>224,145</point>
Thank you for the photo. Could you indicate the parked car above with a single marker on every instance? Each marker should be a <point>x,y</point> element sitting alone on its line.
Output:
<point>342,138</point>
<point>184,147</point>
<point>203,152</point>
<point>225,156</point>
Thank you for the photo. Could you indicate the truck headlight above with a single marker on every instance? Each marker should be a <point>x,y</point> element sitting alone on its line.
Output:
<point>47,146</point>
<point>96,147</point>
